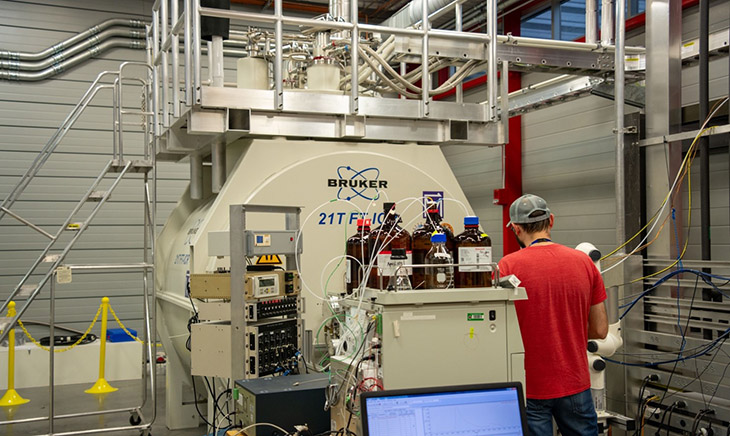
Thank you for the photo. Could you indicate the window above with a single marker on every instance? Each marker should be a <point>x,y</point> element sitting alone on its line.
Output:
<point>572,19</point>
<point>538,25</point>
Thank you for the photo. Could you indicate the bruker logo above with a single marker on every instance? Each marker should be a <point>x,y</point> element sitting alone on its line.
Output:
<point>352,183</point>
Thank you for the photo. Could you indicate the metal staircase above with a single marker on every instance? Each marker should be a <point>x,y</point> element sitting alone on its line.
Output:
<point>130,75</point>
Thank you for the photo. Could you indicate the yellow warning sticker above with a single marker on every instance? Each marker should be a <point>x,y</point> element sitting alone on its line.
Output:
<point>269,259</point>
<point>471,333</point>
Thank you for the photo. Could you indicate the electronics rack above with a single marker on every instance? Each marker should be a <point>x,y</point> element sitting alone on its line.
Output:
<point>267,316</point>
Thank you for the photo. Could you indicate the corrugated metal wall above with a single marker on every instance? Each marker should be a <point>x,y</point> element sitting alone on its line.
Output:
<point>29,114</point>
<point>568,158</point>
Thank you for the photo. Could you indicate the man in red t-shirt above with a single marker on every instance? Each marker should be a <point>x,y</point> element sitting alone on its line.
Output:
<point>564,308</point>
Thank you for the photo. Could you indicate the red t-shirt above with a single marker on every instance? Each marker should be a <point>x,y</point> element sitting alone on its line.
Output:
<point>562,284</point>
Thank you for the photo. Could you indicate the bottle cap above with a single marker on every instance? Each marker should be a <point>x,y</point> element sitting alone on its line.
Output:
<point>363,222</point>
<point>398,254</point>
<point>438,237</point>
<point>471,220</point>
<point>388,206</point>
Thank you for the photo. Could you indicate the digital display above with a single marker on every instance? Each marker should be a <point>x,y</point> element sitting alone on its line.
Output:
<point>477,412</point>
<point>263,283</point>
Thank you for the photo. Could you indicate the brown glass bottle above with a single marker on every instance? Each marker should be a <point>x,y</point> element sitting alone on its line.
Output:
<point>422,244</point>
<point>357,247</point>
<point>382,240</point>
<point>473,246</point>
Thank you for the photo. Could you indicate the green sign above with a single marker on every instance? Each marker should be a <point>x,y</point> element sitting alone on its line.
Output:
<point>475,316</point>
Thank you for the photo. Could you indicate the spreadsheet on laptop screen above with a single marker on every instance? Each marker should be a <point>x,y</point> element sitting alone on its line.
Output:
<point>465,413</point>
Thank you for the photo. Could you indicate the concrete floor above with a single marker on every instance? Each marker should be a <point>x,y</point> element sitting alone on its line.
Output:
<point>72,399</point>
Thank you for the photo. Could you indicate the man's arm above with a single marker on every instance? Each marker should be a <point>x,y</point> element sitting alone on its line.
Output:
<point>597,322</point>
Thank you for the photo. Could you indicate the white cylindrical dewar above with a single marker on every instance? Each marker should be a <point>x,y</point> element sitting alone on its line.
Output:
<point>252,73</point>
<point>323,77</point>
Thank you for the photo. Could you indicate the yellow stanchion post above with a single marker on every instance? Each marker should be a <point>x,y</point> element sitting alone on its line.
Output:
<point>11,397</point>
<point>102,386</point>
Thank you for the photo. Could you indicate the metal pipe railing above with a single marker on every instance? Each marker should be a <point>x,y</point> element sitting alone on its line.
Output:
<point>425,77</point>
<point>492,67</point>
<point>619,83</point>
<point>278,62</point>
<point>355,60</point>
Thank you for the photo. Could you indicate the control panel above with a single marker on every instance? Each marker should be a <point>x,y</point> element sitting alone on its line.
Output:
<point>272,284</point>
<point>272,348</point>
<point>258,285</point>
<point>265,285</point>
<point>274,307</point>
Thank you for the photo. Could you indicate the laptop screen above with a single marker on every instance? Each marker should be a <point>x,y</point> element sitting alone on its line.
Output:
<point>495,409</point>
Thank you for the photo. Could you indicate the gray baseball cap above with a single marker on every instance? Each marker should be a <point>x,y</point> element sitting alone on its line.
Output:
<point>523,207</point>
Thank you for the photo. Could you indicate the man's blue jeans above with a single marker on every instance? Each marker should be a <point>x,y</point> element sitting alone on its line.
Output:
<point>574,414</point>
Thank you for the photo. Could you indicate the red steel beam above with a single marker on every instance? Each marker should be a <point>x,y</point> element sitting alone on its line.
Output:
<point>512,189</point>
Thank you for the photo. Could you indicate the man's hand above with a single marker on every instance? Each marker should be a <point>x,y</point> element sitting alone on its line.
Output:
<point>597,322</point>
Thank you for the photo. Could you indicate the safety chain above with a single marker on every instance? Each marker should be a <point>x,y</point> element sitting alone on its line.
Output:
<point>61,350</point>
<point>86,333</point>
<point>124,327</point>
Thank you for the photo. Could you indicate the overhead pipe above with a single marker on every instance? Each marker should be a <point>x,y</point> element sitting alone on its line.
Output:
<point>63,45</point>
<point>73,61</point>
<point>70,51</point>
<point>413,13</point>
<point>705,140</point>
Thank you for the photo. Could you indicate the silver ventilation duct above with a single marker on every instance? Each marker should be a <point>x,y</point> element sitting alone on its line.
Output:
<point>412,13</point>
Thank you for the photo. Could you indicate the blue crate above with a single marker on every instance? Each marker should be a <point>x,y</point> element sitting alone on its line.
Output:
<point>119,335</point>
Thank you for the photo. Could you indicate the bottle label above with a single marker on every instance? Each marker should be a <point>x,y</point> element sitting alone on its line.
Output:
<point>388,266</point>
<point>475,255</point>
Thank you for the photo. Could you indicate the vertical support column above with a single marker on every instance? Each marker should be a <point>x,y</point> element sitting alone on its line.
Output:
<point>218,159</point>
<point>238,275</point>
<point>278,78</point>
<point>459,27</point>
<point>355,60</point>
<point>425,75</point>
<point>187,35</point>
<point>196,50</point>
<point>663,107</point>
<point>215,54</point>
<point>619,62</point>
<point>164,61</point>
<point>155,79</point>
<point>591,21</point>
<point>175,48</point>
<point>196,177</point>
<point>492,67</point>
<point>607,17</point>
<point>51,355</point>
<point>705,140</point>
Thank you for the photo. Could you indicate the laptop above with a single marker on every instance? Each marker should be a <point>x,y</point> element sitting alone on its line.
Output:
<point>473,410</point>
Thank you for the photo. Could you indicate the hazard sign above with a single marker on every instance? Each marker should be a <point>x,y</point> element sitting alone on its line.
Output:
<point>269,259</point>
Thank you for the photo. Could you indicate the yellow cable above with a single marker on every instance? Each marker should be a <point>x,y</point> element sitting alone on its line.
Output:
<point>61,350</point>
<point>684,167</point>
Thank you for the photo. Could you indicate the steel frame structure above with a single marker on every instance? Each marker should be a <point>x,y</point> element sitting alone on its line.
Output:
<point>119,166</point>
<point>191,113</point>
